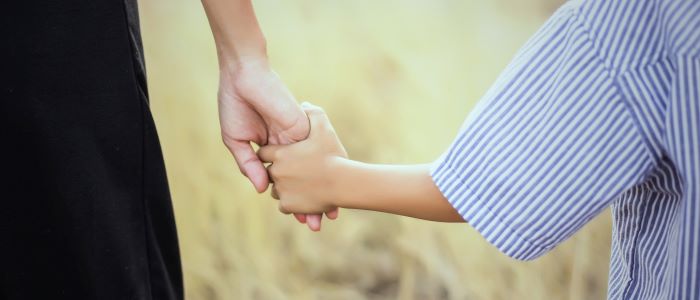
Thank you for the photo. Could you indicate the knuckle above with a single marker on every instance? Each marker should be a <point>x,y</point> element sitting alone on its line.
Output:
<point>273,191</point>
<point>280,153</point>
<point>282,206</point>
<point>280,171</point>
<point>227,142</point>
<point>318,111</point>
<point>272,169</point>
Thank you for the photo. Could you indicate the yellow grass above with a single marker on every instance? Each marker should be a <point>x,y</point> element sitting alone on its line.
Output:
<point>397,78</point>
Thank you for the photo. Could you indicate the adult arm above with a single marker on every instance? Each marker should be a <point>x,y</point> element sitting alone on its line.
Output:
<point>254,104</point>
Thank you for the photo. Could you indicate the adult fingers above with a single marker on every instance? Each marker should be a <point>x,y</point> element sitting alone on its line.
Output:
<point>249,164</point>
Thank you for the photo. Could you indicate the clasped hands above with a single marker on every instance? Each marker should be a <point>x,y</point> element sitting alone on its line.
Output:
<point>297,142</point>
<point>301,173</point>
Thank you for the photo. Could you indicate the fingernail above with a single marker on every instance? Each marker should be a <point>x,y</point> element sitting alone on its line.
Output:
<point>314,222</point>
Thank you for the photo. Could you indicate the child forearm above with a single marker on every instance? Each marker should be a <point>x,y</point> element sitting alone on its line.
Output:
<point>315,176</point>
<point>406,190</point>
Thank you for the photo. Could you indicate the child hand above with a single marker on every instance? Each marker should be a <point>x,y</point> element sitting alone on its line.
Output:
<point>302,173</point>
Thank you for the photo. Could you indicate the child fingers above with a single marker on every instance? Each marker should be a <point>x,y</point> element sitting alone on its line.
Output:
<point>332,214</point>
<point>274,193</point>
<point>268,153</point>
<point>318,119</point>
<point>282,207</point>
<point>314,221</point>
<point>301,218</point>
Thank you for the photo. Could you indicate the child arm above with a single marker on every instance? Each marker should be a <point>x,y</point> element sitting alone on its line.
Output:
<point>314,175</point>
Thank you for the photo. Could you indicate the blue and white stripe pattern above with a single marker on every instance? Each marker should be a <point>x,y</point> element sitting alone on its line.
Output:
<point>600,108</point>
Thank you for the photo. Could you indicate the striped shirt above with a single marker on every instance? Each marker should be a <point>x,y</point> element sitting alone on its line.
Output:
<point>600,108</point>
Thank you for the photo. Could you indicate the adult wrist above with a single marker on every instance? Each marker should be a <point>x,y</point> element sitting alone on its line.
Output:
<point>240,63</point>
<point>246,74</point>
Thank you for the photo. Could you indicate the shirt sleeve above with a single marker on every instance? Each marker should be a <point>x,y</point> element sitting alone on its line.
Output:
<point>549,146</point>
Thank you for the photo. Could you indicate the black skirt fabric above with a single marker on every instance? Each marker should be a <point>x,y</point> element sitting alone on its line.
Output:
<point>85,212</point>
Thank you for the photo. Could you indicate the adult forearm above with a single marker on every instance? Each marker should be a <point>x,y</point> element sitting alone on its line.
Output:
<point>406,190</point>
<point>236,31</point>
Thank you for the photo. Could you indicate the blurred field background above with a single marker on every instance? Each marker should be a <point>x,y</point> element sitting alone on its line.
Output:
<point>397,78</point>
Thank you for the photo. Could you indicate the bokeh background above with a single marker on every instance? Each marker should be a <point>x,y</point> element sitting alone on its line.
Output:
<point>397,78</point>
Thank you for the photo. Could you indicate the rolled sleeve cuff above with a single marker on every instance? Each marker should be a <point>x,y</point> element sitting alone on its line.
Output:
<point>477,214</point>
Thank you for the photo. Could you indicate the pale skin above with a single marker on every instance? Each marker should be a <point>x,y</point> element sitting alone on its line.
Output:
<point>254,104</point>
<point>315,176</point>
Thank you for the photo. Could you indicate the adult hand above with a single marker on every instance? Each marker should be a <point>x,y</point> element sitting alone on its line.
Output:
<point>255,106</point>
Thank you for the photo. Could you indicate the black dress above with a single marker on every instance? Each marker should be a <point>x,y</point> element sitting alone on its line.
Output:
<point>85,211</point>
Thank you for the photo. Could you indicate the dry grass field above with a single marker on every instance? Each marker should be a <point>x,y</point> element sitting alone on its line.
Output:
<point>397,78</point>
